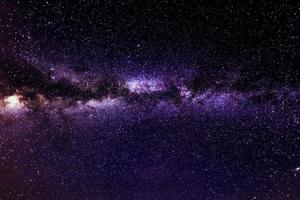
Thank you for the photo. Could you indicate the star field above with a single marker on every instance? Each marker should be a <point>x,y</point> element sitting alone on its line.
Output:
<point>156,100</point>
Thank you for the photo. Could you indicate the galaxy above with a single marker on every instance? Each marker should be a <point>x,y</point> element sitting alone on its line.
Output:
<point>149,100</point>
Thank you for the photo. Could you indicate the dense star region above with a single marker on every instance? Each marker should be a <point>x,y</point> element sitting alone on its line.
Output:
<point>154,100</point>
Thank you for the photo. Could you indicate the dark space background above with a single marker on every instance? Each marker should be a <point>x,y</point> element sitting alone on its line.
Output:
<point>149,100</point>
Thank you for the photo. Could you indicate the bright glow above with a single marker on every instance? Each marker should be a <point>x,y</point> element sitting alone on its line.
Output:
<point>145,85</point>
<point>13,103</point>
<point>107,102</point>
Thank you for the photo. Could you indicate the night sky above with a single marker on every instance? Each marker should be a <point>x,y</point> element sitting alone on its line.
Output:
<point>149,100</point>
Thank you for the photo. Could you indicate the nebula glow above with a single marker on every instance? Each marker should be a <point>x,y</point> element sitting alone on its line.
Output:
<point>13,103</point>
<point>107,102</point>
<point>141,85</point>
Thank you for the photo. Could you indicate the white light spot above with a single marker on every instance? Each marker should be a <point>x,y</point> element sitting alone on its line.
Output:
<point>145,85</point>
<point>13,103</point>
